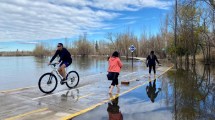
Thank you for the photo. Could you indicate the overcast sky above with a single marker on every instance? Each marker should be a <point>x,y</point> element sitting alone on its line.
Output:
<point>27,21</point>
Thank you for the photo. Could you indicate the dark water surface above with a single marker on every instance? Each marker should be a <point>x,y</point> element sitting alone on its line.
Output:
<point>183,94</point>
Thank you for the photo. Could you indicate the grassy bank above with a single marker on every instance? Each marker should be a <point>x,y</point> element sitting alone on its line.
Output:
<point>21,53</point>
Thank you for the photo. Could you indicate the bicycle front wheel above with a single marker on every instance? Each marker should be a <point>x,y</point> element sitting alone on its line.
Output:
<point>72,79</point>
<point>47,83</point>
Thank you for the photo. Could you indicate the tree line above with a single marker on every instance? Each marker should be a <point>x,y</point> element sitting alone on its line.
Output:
<point>112,41</point>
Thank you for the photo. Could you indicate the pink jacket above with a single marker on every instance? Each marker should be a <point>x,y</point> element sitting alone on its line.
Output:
<point>115,64</point>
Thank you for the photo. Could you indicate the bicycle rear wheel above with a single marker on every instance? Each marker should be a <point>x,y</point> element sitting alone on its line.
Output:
<point>47,83</point>
<point>72,79</point>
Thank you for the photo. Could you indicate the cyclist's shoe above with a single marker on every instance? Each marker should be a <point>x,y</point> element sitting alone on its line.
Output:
<point>63,81</point>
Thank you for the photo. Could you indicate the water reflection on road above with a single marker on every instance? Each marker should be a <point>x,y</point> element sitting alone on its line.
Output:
<point>113,108</point>
<point>70,96</point>
<point>151,91</point>
<point>183,94</point>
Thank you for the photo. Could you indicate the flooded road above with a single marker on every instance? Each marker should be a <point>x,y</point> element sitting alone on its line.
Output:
<point>177,95</point>
<point>92,91</point>
<point>184,94</point>
<point>18,72</point>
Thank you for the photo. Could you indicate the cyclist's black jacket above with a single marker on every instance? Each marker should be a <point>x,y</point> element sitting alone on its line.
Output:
<point>64,55</point>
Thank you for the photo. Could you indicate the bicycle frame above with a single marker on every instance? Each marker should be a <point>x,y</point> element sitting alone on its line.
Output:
<point>55,70</point>
<point>52,74</point>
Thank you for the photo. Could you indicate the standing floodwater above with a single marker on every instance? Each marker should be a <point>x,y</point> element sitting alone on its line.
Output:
<point>183,94</point>
<point>193,93</point>
<point>17,72</point>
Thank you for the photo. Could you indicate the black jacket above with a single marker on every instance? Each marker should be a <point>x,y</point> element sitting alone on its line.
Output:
<point>151,60</point>
<point>63,54</point>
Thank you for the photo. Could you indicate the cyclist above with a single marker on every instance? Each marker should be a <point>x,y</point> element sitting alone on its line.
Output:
<point>65,59</point>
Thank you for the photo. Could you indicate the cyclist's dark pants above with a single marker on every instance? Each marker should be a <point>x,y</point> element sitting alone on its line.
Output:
<point>65,63</point>
<point>115,79</point>
<point>150,69</point>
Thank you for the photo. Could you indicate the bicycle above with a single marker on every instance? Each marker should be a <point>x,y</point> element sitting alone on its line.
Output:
<point>49,80</point>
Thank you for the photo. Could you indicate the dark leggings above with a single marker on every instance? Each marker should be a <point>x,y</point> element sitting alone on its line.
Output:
<point>150,69</point>
<point>115,79</point>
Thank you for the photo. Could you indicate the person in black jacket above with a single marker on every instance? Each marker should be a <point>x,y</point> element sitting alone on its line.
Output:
<point>150,61</point>
<point>65,59</point>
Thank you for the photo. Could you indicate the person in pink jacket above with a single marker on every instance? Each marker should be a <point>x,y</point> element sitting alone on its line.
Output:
<point>115,66</point>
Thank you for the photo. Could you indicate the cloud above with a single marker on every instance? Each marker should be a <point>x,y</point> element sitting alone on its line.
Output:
<point>160,4</point>
<point>52,19</point>
<point>23,42</point>
<point>131,5</point>
<point>117,5</point>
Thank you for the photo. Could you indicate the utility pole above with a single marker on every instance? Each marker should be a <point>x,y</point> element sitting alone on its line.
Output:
<point>175,31</point>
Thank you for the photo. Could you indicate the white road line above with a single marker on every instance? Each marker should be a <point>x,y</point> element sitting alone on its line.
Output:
<point>92,75</point>
<point>73,89</point>
<point>19,89</point>
<point>58,93</point>
<point>127,74</point>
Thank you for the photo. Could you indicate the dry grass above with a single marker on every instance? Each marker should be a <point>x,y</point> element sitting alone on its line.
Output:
<point>41,51</point>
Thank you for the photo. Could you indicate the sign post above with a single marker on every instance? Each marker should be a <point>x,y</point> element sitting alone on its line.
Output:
<point>132,49</point>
